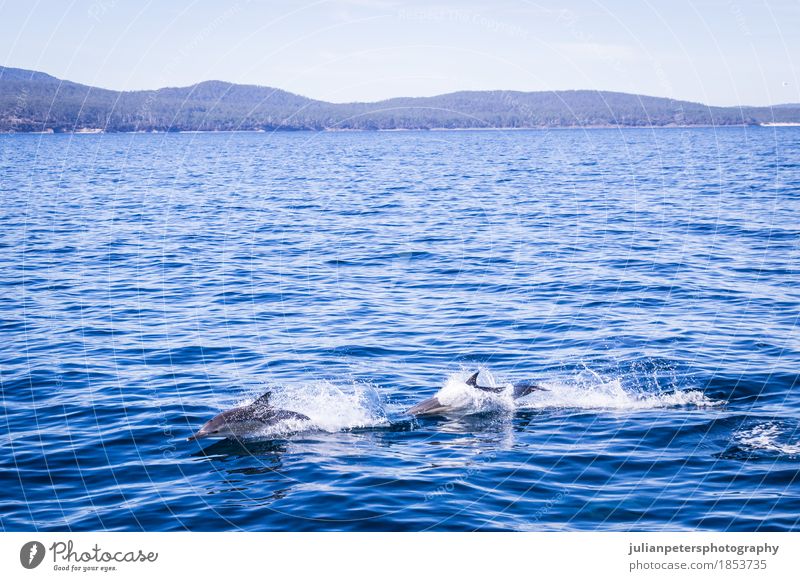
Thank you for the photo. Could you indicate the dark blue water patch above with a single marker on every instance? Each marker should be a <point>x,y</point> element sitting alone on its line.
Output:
<point>646,278</point>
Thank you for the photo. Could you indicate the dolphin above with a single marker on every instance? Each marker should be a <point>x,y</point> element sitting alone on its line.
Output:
<point>433,407</point>
<point>242,421</point>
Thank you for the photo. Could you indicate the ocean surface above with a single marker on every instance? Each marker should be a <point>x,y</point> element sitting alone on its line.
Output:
<point>649,279</point>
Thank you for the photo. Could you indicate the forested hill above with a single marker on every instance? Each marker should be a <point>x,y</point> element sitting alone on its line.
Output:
<point>31,101</point>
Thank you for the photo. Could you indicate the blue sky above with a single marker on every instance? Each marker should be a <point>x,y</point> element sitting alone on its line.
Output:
<point>721,52</point>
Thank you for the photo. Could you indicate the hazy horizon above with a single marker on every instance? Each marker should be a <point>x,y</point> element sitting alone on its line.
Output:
<point>715,52</point>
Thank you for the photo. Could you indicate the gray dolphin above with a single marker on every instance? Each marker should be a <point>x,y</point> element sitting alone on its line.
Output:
<point>433,407</point>
<point>246,420</point>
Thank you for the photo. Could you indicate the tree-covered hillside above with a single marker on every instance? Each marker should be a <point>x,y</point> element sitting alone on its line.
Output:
<point>34,101</point>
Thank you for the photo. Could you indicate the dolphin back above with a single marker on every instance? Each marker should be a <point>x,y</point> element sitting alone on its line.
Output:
<point>523,388</point>
<point>289,415</point>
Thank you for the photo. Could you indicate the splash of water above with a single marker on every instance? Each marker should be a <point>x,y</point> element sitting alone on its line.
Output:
<point>610,394</point>
<point>330,406</point>
<point>460,397</point>
<point>336,406</point>
<point>767,437</point>
<point>586,390</point>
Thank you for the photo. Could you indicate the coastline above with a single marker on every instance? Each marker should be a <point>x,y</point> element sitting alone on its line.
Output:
<point>97,131</point>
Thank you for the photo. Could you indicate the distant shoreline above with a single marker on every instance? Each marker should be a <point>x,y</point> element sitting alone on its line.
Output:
<point>420,130</point>
<point>32,102</point>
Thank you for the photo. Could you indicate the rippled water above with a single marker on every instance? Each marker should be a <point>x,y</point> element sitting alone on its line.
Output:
<point>648,279</point>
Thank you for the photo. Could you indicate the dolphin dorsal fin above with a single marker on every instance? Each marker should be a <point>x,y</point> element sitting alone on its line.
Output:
<point>473,382</point>
<point>263,399</point>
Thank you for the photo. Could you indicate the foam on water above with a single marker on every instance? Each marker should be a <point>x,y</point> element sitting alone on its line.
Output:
<point>768,437</point>
<point>610,394</point>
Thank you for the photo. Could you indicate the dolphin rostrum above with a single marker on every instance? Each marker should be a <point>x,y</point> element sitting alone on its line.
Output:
<point>243,421</point>
<point>433,407</point>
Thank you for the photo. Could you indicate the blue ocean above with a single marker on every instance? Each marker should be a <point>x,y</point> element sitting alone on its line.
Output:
<point>649,280</point>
